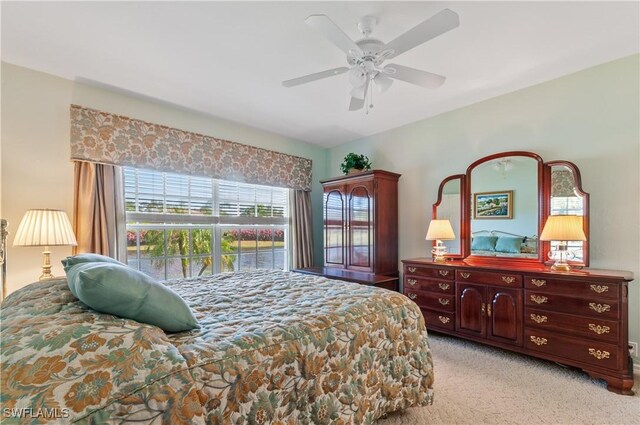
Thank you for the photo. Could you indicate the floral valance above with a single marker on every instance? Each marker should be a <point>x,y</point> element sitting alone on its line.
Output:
<point>98,136</point>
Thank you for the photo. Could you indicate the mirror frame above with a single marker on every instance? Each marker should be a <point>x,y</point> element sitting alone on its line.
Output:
<point>546,246</point>
<point>434,212</point>
<point>544,210</point>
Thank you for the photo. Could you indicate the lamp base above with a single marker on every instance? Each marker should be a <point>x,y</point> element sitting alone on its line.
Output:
<point>46,265</point>
<point>439,251</point>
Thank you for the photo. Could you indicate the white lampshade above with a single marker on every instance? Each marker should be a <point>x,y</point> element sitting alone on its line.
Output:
<point>440,230</point>
<point>563,228</point>
<point>45,228</point>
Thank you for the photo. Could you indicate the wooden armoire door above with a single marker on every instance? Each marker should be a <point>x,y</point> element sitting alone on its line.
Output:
<point>471,309</point>
<point>360,222</point>
<point>334,226</point>
<point>504,312</point>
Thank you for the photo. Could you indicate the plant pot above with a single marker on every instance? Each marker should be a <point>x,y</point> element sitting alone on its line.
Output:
<point>355,171</point>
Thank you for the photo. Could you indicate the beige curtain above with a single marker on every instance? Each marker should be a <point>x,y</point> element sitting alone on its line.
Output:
<point>98,210</point>
<point>301,229</point>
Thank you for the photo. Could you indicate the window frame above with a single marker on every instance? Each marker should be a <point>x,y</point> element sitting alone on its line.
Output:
<point>136,221</point>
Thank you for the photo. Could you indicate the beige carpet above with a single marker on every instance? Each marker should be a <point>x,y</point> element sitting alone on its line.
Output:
<point>476,384</point>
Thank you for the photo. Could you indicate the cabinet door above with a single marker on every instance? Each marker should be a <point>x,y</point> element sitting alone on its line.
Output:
<point>334,225</point>
<point>504,313</point>
<point>471,309</point>
<point>360,226</point>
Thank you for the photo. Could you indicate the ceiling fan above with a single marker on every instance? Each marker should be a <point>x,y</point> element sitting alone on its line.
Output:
<point>367,55</point>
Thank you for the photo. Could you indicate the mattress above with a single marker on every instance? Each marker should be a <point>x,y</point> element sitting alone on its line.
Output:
<point>273,347</point>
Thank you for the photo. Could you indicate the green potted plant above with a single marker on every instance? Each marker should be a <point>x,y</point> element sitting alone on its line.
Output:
<point>355,163</point>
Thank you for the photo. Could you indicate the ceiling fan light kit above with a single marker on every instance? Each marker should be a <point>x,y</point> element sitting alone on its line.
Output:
<point>366,56</point>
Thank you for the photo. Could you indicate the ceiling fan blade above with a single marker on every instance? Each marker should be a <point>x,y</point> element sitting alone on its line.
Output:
<point>329,29</point>
<point>414,76</point>
<point>439,23</point>
<point>314,77</point>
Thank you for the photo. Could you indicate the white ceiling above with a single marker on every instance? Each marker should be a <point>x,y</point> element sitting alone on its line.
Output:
<point>228,59</point>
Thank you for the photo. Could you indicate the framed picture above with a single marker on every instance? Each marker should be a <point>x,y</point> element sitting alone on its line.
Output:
<point>493,205</point>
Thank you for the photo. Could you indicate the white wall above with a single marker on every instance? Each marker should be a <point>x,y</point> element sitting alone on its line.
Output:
<point>590,118</point>
<point>36,170</point>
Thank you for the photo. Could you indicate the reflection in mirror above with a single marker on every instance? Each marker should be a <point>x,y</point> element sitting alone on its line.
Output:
<point>449,209</point>
<point>566,200</point>
<point>504,202</point>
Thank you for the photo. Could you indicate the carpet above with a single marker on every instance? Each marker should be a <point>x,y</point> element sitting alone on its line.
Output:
<point>477,384</point>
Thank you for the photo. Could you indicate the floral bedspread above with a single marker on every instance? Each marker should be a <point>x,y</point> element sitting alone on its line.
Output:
<point>274,348</point>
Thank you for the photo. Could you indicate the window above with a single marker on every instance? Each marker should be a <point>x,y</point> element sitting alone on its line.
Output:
<point>185,226</point>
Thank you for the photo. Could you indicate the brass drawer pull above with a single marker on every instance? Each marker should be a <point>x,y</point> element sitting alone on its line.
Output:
<point>443,286</point>
<point>538,341</point>
<point>412,282</point>
<point>444,301</point>
<point>599,308</point>
<point>538,318</point>
<point>539,282</point>
<point>539,299</point>
<point>411,269</point>
<point>483,308</point>
<point>444,320</point>
<point>599,329</point>
<point>412,296</point>
<point>599,354</point>
<point>443,272</point>
<point>465,275</point>
<point>508,279</point>
<point>599,288</point>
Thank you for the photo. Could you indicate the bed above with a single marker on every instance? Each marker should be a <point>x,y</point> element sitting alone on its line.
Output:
<point>273,347</point>
<point>488,243</point>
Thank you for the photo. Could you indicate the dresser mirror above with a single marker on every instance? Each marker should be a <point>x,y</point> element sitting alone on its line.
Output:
<point>567,198</point>
<point>449,206</point>
<point>504,206</point>
<point>499,207</point>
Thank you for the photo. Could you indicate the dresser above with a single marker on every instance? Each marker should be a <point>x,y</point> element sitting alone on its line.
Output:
<point>578,318</point>
<point>360,235</point>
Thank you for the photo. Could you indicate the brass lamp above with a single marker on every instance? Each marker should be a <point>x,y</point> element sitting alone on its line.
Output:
<point>439,230</point>
<point>562,228</point>
<point>44,227</point>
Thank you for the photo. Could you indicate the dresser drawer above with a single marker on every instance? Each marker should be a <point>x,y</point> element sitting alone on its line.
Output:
<point>433,272</point>
<point>588,289</point>
<point>603,309</point>
<point>590,327</point>
<point>511,280</point>
<point>439,319</point>
<point>439,286</point>
<point>596,353</point>
<point>430,300</point>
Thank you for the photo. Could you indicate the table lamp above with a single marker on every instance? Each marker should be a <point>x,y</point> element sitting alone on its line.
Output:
<point>439,230</point>
<point>562,228</point>
<point>44,227</point>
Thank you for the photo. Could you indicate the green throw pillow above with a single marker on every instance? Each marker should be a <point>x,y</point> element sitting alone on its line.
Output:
<point>484,243</point>
<point>69,262</point>
<point>509,244</point>
<point>122,291</point>
<point>87,258</point>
